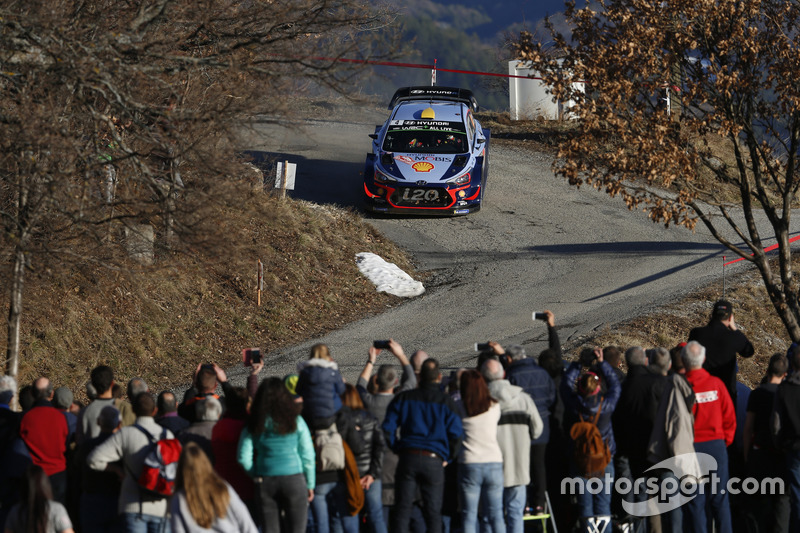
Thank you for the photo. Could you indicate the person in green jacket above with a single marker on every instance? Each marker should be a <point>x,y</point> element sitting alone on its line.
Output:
<point>277,450</point>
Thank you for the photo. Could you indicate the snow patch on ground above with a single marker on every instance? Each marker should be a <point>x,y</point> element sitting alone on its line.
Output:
<point>388,277</point>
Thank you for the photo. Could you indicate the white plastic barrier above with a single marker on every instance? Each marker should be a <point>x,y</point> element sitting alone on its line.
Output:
<point>529,97</point>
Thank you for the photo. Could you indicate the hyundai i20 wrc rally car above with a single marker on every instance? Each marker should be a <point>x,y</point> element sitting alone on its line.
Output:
<point>430,157</point>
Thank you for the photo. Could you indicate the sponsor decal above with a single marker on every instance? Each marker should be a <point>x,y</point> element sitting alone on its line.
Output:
<point>461,211</point>
<point>706,397</point>
<point>422,127</point>
<point>411,159</point>
<point>423,123</point>
<point>422,166</point>
<point>434,158</point>
<point>432,91</point>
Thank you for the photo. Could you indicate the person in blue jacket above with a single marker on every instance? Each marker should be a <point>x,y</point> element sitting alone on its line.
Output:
<point>321,386</point>
<point>423,428</point>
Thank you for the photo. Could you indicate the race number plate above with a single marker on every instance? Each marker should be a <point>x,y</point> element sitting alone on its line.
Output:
<point>420,195</point>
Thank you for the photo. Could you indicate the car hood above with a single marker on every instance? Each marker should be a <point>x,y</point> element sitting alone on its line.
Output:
<point>425,167</point>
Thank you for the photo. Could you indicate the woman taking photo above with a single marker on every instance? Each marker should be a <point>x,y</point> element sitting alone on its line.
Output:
<point>276,449</point>
<point>37,512</point>
<point>203,501</point>
<point>480,470</point>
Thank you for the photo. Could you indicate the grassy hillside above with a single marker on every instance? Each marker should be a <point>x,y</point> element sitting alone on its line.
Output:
<point>160,322</point>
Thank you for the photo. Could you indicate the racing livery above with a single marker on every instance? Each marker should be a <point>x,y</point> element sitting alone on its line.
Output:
<point>430,157</point>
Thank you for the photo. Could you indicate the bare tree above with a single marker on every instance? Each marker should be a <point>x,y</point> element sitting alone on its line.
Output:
<point>117,114</point>
<point>724,154</point>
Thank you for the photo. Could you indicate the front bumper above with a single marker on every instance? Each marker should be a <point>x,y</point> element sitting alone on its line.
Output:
<point>384,199</point>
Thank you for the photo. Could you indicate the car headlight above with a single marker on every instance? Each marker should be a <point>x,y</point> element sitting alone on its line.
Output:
<point>463,179</point>
<point>382,177</point>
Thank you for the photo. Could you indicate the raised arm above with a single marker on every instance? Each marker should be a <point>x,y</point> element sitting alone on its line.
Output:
<point>553,342</point>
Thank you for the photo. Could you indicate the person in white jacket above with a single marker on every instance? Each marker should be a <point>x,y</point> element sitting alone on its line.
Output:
<point>480,468</point>
<point>130,444</point>
<point>203,501</point>
<point>519,424</point>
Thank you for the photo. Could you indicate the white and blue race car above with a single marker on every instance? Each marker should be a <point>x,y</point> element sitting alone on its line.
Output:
<point>430,157</point>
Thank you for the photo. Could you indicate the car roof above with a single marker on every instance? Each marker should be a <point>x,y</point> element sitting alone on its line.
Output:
<point>444,111</point>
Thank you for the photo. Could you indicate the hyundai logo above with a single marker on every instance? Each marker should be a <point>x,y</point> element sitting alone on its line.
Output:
<point>422,182</point>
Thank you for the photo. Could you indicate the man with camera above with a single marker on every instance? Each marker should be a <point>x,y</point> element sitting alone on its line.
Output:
<point>722,341</point>
<point>386,382</point>
<point>525,372</point>
<point>206,377</point>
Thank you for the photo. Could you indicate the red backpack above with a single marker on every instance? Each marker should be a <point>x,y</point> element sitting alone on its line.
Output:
<point>157,479</point>
<point>592,453</point>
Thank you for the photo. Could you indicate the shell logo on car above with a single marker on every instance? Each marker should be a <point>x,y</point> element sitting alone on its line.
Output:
<point>423,166</point>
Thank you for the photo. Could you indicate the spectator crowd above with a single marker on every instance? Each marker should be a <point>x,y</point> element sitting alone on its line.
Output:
<point>515,443</point>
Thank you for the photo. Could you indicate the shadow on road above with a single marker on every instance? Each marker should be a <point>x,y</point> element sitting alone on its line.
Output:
<point>629,248</point>
<point>316,180</point>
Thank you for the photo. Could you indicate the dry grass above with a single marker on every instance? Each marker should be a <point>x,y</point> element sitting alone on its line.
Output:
<point>159,323</point>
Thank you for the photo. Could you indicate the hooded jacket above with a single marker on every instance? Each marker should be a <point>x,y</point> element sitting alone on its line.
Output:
<point>519,424</point>
<point>321,386</point>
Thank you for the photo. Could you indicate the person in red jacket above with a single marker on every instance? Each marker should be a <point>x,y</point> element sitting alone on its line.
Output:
<point>44,430</point>
<point>714,427</point>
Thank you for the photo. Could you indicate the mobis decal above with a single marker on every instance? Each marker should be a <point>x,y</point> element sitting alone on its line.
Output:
<point>422,166</point>
<point>411,159</point>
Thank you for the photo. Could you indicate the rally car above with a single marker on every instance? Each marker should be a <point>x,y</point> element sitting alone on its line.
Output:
<point>430,157</point>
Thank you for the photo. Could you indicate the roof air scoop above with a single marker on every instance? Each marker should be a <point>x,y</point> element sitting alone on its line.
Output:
<point>460,161</point>
<point>428,114</point>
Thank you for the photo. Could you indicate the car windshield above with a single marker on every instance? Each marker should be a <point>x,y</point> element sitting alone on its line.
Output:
<point>425,140</point>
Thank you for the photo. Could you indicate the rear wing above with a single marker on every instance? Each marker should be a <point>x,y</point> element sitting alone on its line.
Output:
<point>452,94</point>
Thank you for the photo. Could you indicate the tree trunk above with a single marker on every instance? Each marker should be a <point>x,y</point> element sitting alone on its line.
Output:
<point>781,296</point>
<point>14,318</point>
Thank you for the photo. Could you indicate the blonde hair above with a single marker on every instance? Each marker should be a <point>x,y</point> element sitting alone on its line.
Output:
<point>206,493</point>
<point>321,351</point>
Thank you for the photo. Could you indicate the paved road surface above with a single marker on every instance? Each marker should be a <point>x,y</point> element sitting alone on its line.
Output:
<point>536,244</point>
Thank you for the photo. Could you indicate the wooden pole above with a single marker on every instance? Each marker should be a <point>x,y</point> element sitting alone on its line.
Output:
<point>260,280</point>
<point>284,176</point>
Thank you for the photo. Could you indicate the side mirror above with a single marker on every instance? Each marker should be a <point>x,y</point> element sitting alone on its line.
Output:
<point>373,136</point>
<point>480,140</point>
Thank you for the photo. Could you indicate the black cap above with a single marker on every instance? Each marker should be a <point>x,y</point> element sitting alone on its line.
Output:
<point>722,309</point>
